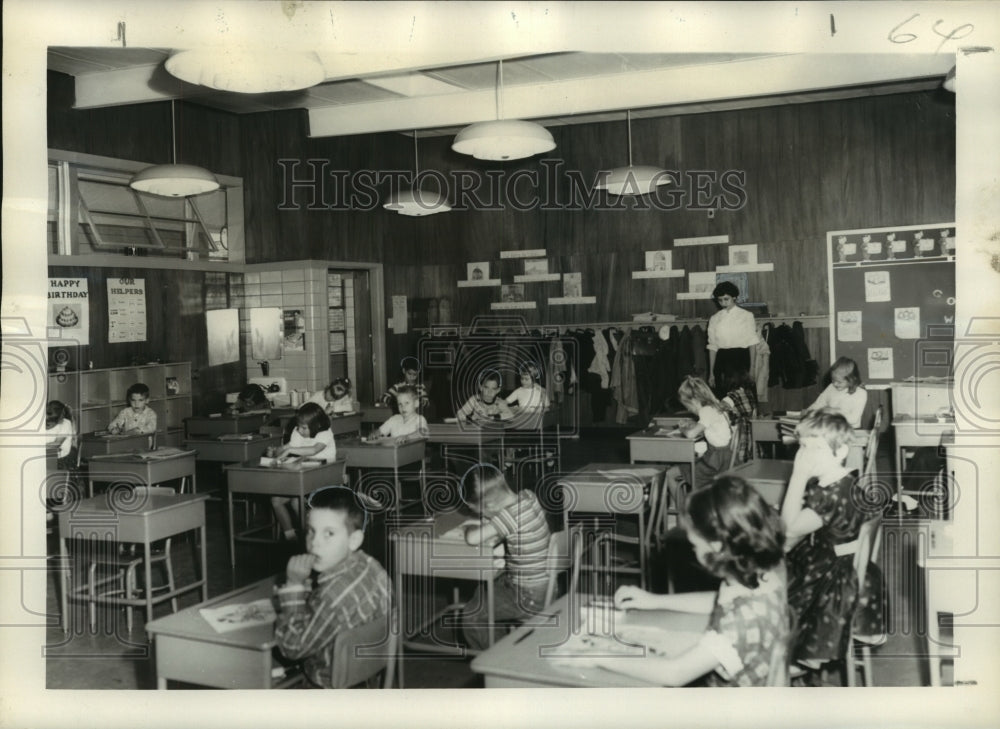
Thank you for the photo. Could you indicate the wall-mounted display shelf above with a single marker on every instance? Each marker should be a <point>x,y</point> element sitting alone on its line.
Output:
<point>746,268</point>
<point>507,305</point>
<point>678,273</point>
<point>96,396</point>
<point>478,283</point>
<point>536,277</point>
<point>564,300</point>
<point>705,240</point>
<point>693,295</point>
<point>533,253</point>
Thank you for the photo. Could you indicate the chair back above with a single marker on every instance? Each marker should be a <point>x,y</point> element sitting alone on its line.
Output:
<point>869,539</point>
<point>871,447</point>
<point>735,443</point>
<point>777,671</point>
<point>557,560</point>
<point>360,653</point>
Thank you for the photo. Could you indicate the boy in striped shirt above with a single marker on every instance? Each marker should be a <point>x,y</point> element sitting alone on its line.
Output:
<point>517,521</point>
<point>350,588</point>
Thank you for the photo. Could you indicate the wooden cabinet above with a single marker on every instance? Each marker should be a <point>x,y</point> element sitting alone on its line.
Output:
<point>96,396</point>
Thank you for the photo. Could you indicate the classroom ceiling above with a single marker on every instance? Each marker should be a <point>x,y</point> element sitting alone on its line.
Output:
<point>440,92</point>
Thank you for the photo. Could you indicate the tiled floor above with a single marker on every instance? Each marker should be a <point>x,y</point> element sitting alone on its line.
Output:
<point>113,658</point>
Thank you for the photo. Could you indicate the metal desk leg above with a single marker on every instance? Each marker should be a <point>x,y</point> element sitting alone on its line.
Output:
<point>490,611</point>
<point>232,534</point>
<point>148,587</point>
<point>66,582</point>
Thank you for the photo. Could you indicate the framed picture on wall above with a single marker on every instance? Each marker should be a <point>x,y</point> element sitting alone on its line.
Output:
<point>478,271</point>
<point>658,260</point>
<point>536,266</point>
<point>512,292</point>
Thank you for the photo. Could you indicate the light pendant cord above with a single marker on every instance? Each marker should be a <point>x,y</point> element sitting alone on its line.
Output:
<point>500,90</point>
<point>628,122</point>
<point>416,159</point>
<point>173,130</point>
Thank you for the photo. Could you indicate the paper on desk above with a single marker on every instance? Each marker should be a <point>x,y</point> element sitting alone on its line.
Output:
<point>228,618</point>
<point>625,640</point>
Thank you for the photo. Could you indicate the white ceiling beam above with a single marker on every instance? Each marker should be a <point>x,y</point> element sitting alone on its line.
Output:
<point>755,77</point>
<point>129,86</point>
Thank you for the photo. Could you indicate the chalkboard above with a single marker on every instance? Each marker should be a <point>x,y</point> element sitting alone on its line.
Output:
<point>892,300</point>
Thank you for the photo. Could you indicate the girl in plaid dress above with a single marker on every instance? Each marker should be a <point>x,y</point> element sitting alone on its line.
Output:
<point>737,536</point>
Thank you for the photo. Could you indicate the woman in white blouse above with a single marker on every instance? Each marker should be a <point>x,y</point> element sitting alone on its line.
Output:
<point>732,335</point>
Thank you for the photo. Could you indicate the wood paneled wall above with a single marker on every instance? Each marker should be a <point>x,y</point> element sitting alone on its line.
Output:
<point>809,168</point>
<point>175,329</point>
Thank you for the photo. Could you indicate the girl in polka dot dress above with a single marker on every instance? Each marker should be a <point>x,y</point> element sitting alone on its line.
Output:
<point>822,515</point>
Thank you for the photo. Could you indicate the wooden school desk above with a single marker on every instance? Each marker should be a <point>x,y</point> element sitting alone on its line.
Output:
<point>228,424</point>
<point>232,450</point>
<point>106,444</point>
<point>618,489</point>
<point>293,481</point>
<point>769,477</point>
<point>153,517</point>
<point>910,432</point>
<point>523,659</point>
<point>385,454</point>
<point>431,548</point>
<point>465,434</point>
<point>145,468</point>
<point>651,444</point>
<point>765,430</point>
<point>189,649</point>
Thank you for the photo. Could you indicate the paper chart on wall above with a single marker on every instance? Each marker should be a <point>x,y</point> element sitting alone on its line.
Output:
<point>880,363</point>
<point>126,310</point>
<point>877,286</point>
<point>907,320</point>
<point>848,326</point>
<point>398,323</point>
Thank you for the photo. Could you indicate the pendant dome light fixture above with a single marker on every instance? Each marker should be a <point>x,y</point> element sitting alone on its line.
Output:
<point>503,139</point>
<point>174,180</point>
<point>416,202</point>
<point>634,179</point>
<point>247,70</point>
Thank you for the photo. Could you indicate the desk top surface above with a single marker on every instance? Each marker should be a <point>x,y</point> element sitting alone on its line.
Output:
<point>521,655</point>
<point>128,505</point>
<point>614,472</point>
<point>295,467</point>
<point>154,456</point>
<point>660,433</point>
<point>188,623</point>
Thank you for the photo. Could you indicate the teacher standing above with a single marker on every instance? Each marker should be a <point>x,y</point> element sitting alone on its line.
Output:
<point>732,335</point>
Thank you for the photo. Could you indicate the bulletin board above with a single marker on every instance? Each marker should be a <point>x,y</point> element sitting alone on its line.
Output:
<point>892,300</point>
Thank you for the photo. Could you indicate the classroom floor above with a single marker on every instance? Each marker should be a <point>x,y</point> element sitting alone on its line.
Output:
<point>111,657</point>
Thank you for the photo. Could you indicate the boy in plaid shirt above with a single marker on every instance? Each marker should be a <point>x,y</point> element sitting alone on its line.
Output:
<point>349,588</point>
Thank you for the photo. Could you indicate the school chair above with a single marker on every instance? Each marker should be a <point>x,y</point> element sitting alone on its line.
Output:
<point>361,653</point>
<point>116,573</point>
<point>557,561</point>
<point>735,443</point>
<point>867,544</point>
<point>777,669</point>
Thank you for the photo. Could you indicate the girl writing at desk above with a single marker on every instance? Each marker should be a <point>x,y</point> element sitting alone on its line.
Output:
<point>737,536</point>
